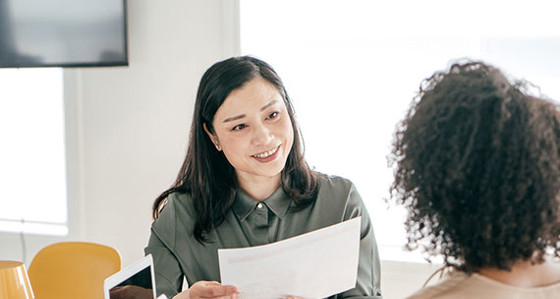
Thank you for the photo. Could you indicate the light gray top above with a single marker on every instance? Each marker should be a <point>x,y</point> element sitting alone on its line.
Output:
<point>177,253</point>
<point>459,285</point>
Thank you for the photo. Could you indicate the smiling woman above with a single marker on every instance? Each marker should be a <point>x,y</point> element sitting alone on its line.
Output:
<point>255,134</point>
<point>244,182</point>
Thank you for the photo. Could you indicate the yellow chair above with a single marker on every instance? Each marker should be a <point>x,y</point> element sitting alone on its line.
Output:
<point>71,270</point>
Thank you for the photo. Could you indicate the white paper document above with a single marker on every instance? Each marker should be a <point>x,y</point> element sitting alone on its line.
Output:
<point>317,264</point>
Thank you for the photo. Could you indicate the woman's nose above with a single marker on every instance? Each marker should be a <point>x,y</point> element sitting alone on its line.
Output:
<point>261,134</point>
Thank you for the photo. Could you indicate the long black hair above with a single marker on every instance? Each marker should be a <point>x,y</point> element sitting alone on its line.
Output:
<point>478,169</point>
<point>206,174</point>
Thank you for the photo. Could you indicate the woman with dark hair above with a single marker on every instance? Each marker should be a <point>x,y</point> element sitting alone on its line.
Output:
<point>244,182</point>
<point>477,167</point>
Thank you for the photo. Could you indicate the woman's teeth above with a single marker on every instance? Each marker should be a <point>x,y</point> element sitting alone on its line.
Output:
<point>266,154</point>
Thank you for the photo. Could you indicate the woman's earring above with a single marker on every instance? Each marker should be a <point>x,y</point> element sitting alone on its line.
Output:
<point>217,147</point>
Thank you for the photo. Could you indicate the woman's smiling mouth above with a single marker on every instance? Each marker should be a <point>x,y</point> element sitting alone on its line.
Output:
<point>267,154</point>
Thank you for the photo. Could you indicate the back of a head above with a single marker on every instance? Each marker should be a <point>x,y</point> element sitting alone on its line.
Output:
<point>477,168</point>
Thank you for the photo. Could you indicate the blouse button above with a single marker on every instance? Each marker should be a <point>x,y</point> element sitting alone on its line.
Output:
<point>260,205</point>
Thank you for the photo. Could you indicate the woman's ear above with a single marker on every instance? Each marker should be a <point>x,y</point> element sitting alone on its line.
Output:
<point>212,137</point>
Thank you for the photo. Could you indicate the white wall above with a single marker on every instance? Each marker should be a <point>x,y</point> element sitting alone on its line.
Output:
<point>127,129</point>
<point>135,119</point>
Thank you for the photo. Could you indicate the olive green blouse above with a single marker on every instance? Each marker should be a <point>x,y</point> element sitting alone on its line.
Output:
<point>178,254</point>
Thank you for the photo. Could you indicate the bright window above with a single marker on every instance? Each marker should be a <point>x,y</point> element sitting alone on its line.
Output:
<point>352,68</point>
<point>32,155</point>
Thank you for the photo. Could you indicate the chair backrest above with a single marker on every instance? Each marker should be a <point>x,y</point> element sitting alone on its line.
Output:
<point>70,270</point>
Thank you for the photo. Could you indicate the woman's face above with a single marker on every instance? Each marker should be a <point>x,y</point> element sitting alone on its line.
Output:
<point>253,129</point>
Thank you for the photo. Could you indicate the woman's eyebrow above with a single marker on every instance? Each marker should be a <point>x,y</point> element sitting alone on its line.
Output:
<point>229,119</point>
<point>269,104</point>
<point>240,116</point>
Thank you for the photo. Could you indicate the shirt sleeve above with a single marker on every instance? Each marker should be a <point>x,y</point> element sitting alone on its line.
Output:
<point>168,273</point>
<point>369,270</point>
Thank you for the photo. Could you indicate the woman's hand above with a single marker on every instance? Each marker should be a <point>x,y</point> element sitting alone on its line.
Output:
<point>209,289</point>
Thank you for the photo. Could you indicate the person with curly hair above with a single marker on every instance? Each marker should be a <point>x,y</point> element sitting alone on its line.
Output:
<point>477,166</point>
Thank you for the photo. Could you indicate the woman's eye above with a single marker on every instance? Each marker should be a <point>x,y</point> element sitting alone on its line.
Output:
<point>273,115</point>
<point>238,127</point>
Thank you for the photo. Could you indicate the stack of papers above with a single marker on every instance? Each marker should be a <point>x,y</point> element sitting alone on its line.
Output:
<point>317,264</point>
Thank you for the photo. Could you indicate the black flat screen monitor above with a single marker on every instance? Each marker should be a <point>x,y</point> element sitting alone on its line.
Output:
<point>63,33</point>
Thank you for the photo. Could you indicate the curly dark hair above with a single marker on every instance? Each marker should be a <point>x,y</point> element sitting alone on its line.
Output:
<point>478,169</point>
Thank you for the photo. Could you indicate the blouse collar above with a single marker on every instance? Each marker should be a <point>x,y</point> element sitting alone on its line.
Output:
<point>278,202</point>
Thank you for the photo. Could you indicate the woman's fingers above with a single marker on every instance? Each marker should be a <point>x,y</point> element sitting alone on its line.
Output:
<point>212,289</point>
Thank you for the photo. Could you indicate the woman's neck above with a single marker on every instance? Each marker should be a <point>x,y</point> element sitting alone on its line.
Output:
<point>259,188</point>
<point>525,274</point>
